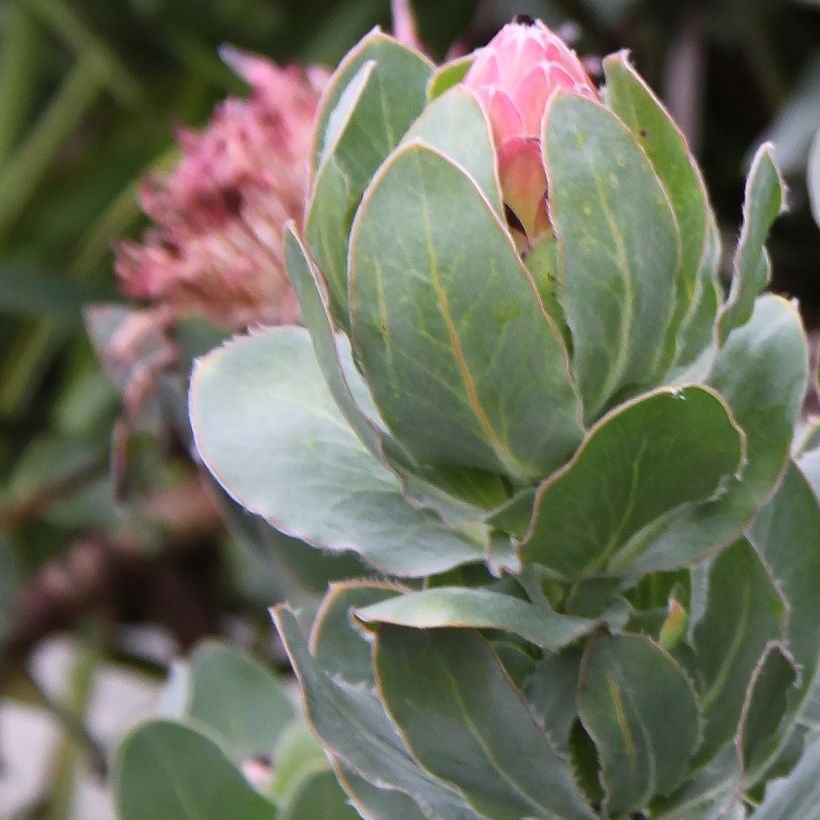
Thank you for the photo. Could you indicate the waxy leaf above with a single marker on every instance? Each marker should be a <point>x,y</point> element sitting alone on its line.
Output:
<point>479,608</point>
<point>464,364</point>
<point>619,245</point>
<point>167,769</point>
<point>639,708</point>
<point>744,612</point>
<point>353,725</point>
<point>375,94</point>
<point>752,269</point>
<point>761,373</point>
<point>456,125</point>
<point>551,689</point>
<point>374,802</point>
<point>448,75</point>
<point>633,101</point>
<point>620,479</point>
<point>320,796</point>
<point>468,724</point>
<point>267,427</point>
<point>247,725</point>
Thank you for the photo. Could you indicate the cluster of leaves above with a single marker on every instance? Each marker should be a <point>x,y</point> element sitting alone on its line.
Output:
<point>446,431</point>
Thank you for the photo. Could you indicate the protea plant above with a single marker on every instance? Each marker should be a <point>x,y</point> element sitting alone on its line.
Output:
<point>522,398</point>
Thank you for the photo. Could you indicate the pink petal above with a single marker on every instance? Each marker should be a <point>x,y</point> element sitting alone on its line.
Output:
<point>524,184</point>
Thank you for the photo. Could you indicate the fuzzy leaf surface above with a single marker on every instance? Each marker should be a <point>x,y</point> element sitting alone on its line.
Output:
<point>752,268</point>
<point>642,714</point>
<point>464,364</point>
<point>621,479</point>
<point>467,723</point>
<point>267,427</point>
<point>619,247</point>
<point>797,795</point>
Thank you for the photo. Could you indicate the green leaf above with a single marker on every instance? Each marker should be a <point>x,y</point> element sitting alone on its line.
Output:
<point>551,689</point>
<point>639,708</point>
<point>761,373</point>
<point>465,365</point>
<point>353,725</point>
<point>479,608</point>
<point>298,755</point>
<point>166,769</point>
<point>456,125</point>
<point>466,722</point>
<point>237,698</point>
<point>813,178</point>
<point>400,65</point>
<point>752,269</point>
<point>766,703</point>
<point>319,797</point>
<point>581,523</point>
<point>633,101</point>
<point>269,431</point>
<point>336,643</point>
<point>797,795</point>
<point>374,96</point>
<point>744,612</point>
<point>785,533</point>
<point>448,75</point>
<point>619,246</point>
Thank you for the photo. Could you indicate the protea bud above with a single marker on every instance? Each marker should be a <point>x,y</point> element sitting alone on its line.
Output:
<point>216,246</point>
<point>514,76</point>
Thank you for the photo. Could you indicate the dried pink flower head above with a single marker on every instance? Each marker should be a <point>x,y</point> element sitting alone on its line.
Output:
<point>216,245</point>
<point>514,76</point>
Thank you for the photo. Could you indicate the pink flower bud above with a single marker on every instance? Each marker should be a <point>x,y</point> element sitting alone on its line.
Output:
<point>514,76</point>
<point>216,246</point>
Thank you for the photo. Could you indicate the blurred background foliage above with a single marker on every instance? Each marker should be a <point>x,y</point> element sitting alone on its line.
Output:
<point>90,94</point>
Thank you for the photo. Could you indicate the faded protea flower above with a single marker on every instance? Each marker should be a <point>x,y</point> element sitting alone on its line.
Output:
<point>514,77</point>
<point>216,245</point>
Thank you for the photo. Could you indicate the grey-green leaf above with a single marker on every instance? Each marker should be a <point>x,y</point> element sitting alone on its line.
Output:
<point>480,608</point>
<point>267,427</point>
<point>465,365</point>
<point>619,246</point>
<point>373,97</point>
<point>467,723</point>
<point>744,612</point>
<point>320,796</point>
<point>640,710</point>
<point>353,725</point>
<point>752,269</point>
<point>167,769</point>
<point>797,795</point>
<point>632,100</point>
<point>761,373</point>
<point>620,480</point>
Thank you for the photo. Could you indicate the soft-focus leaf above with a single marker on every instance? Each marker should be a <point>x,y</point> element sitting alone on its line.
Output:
<point>798,795</point>
<point>744,612</point>
<point>237,698</point>
<point>268,429</point>
<point>353,725</point>
<point>377,803</point>
<point>632,100</point>
<point>814,177</point>
<point>457,126</point>
<point>298,755</point>
<point>377,91</point>
<point>640,710</point>
<point>752,268</point>
<point>169,770</point>
<point>320,796</point>
<point>761,373</point>
<point>581,522</point>
<point>479,608</point>
<point>619,248</point>
<point>467,723</point>
<point>463,362</point>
